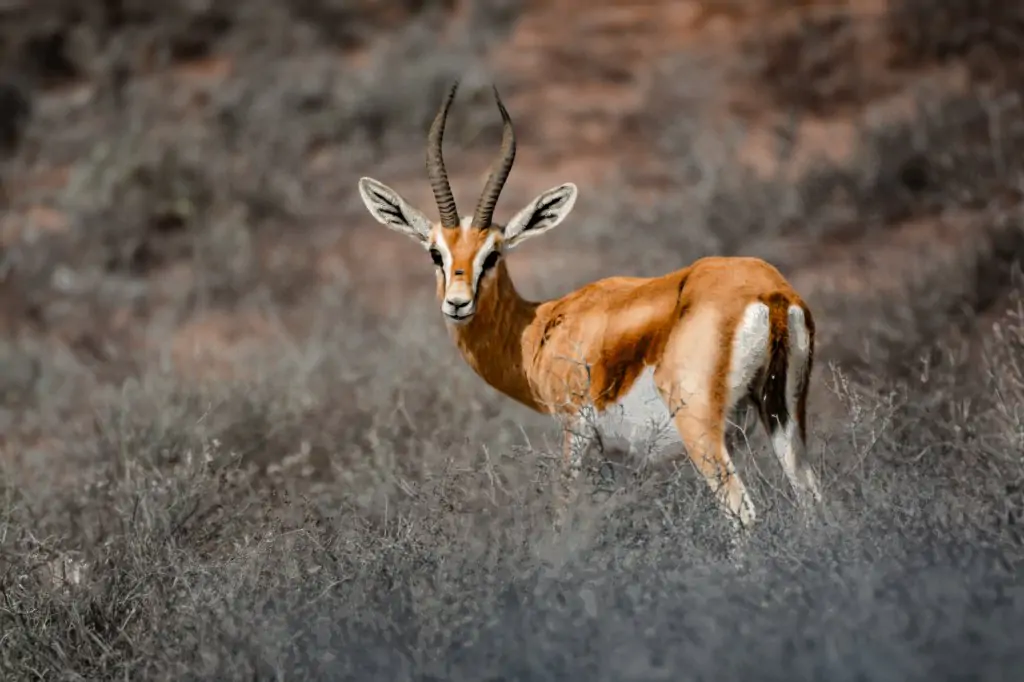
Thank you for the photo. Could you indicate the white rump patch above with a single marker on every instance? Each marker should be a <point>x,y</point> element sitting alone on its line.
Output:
<point>749,350</point>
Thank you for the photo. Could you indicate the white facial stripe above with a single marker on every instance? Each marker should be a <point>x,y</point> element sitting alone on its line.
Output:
<point>481,256</point>
<point>446,255</point>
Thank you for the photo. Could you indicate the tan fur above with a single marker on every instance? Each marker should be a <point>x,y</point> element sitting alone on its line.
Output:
<point>613,327</point>
<point>591,344</point>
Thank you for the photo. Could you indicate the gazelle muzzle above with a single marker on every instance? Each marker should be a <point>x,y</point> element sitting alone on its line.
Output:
<point>459,302</point>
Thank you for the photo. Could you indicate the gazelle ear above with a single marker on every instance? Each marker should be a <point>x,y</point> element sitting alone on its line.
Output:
<point>540,215</point>
<point>389,208</point>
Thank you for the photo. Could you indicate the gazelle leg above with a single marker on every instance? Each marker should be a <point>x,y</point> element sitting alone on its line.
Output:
<point>576,438</point>
<point>790,447</point>
<point>704,438</point>
<point>788,431</point>
<point>574,444</point>
<point>689,379</point>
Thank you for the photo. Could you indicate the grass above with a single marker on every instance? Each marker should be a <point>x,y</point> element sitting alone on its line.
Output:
<point>350,502</point>
<point>420,552</point>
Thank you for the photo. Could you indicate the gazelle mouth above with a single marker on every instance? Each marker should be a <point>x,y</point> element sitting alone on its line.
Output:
<point>458,319</point>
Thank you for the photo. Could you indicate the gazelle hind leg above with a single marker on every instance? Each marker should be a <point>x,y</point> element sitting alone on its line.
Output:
<point>704,437</point>
<point>790,449</point>
<point>788,428</point>
<point>687,381</point>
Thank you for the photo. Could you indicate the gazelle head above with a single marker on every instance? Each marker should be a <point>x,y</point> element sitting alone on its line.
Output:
<point>466,251</point>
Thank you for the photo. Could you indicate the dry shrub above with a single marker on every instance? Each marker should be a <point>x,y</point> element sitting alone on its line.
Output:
<point>422,547</point>
<point>986,35</point>
<point>821,63</point>
<point>356,504</point>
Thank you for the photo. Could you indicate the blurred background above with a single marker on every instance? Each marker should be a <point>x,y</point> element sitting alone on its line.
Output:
<point>216,371</point>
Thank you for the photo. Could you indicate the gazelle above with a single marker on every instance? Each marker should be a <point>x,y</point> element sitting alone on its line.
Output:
<point>621,352</point>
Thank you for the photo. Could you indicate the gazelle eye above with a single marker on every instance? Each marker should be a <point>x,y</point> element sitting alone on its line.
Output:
<point>435,255</point>
<point>491,260</point>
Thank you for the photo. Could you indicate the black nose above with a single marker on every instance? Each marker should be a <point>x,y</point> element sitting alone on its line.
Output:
<point>460,272</point>
<point>459,304</point>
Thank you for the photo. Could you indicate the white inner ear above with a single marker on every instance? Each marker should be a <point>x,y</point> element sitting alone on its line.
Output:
<point>543,213</point>
<point>389,209</point>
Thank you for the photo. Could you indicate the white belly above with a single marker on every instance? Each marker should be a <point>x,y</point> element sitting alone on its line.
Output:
<point>640,423</point>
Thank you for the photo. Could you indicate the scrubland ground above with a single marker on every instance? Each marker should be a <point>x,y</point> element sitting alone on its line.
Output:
<point>237,443</point>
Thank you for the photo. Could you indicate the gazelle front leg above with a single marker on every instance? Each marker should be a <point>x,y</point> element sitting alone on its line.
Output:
<point>577,435</point>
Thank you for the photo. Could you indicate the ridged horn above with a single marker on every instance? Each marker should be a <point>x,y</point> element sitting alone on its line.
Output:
<point>435,164</point>
<point>499,171</point>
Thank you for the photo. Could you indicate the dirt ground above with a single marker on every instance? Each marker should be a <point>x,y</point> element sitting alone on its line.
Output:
<point>229,393</point>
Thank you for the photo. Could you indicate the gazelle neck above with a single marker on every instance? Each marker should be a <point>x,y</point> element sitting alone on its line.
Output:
<point>495,343</point>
